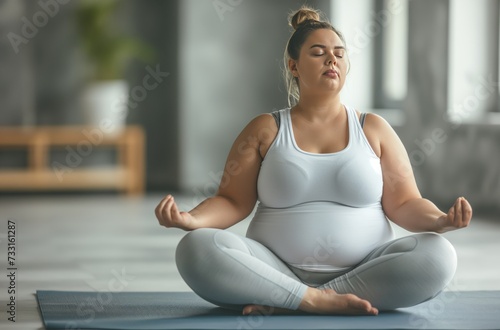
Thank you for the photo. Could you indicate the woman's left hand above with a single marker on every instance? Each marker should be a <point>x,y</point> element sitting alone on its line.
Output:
<point>459,216</point>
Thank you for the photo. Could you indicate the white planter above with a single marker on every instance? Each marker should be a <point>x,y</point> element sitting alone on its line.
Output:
<point>105,105</point>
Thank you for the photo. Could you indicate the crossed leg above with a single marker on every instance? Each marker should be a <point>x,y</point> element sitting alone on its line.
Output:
<point>401,273</point>
<point>239,273</point>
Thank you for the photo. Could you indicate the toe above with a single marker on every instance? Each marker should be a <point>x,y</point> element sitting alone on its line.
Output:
<point>359,305</point>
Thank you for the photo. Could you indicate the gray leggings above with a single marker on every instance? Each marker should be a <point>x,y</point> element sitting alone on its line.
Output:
<point>232,271</point>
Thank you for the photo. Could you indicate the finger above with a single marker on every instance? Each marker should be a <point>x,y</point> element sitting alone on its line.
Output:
<point>451,214</point>
<point>466,212</point>
<point>458,212</point>
<point>167,212</point>
<point>176,215</point>
<point>163,204</point>
<point>168,207</point>
<point>160,206</point>
<point>164,201</point>
<point>157,208</point>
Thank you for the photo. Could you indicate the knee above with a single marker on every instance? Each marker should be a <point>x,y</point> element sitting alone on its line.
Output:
<point>193,240</point>
<point>192,253</point>
<point>204,264</point>
<point>440,258</point>
<point>425,270</point>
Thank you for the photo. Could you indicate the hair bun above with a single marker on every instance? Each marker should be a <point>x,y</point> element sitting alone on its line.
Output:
<point>302,15</point>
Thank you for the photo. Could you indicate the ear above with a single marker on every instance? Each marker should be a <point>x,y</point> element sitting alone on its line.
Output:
<point>292,66</point>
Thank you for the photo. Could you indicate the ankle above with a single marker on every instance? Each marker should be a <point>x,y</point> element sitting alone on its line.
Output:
<point>310,300</point>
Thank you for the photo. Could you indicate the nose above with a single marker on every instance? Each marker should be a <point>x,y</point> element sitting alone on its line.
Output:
<point>331,59</point>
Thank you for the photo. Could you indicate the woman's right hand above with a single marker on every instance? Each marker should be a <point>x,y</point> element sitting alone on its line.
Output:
<point>168,215</point>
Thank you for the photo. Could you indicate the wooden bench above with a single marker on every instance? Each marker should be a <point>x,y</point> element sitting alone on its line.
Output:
<point>44,174</point>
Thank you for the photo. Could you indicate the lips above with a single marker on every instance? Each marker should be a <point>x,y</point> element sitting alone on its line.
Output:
<point>331,73</point>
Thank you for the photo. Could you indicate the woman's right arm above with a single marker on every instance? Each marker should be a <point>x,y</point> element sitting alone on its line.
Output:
<point>237,193</point>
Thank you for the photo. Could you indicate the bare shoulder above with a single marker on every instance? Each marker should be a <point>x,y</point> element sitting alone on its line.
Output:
<point>262,127</point>
<point>377,128</point>
<point>264,120</point>
<point>378,131</point>
<point>377,123</point>
<point>257,136</point>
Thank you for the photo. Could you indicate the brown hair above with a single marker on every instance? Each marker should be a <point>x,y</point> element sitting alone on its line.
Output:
<point>304,21</point>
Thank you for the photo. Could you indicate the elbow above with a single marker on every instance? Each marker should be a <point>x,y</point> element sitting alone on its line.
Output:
<point>241,208</point>
<point>390,212</point>
<point>395,211</point>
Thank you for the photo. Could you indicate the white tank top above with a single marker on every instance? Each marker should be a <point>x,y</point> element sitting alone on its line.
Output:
<point>320,212</point>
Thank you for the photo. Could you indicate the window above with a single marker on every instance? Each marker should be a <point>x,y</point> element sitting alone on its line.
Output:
<point>391,54</point>
<point>376,35</point>
<point>473,72</point>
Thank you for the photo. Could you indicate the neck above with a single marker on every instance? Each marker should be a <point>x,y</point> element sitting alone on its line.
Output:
<point>314,107</point>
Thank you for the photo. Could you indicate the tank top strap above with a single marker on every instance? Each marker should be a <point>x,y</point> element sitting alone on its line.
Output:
<point>277,117</point>
<point>286,127</point>
<point>354,125</point>
<point>359,139</point>
<point>282,138</point>
<point>362,118</point>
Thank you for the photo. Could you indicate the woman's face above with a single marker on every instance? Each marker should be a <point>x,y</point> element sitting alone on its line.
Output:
<point>322,64</point>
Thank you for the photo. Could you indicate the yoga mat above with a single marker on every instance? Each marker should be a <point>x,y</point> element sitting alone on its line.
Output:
<point>185,310</point>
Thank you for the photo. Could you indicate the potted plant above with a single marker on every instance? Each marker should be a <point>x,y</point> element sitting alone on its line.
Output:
<point>107,54</point>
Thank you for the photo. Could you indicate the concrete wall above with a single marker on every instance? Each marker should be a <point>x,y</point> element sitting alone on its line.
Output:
<point>231,56</point>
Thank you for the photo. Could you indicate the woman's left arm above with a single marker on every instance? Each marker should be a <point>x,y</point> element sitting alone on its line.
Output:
<point>401,199</point>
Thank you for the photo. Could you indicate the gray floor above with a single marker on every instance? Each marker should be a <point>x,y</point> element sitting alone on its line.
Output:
<point>111,243</point>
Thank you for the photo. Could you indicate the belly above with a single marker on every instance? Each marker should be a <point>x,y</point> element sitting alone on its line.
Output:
<point>321,236</point>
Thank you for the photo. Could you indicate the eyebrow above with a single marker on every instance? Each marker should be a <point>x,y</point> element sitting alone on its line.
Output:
<point>323,46</point>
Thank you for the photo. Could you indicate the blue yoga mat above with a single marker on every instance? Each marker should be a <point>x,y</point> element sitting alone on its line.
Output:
<point>185,310</point>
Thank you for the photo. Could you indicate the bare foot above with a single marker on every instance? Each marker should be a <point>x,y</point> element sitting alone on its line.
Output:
<point>265,310</point>
<point>330,302</point>
<point>320,302</point>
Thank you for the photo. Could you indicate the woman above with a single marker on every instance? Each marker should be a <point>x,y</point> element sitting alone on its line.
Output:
<point>327,178</point>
